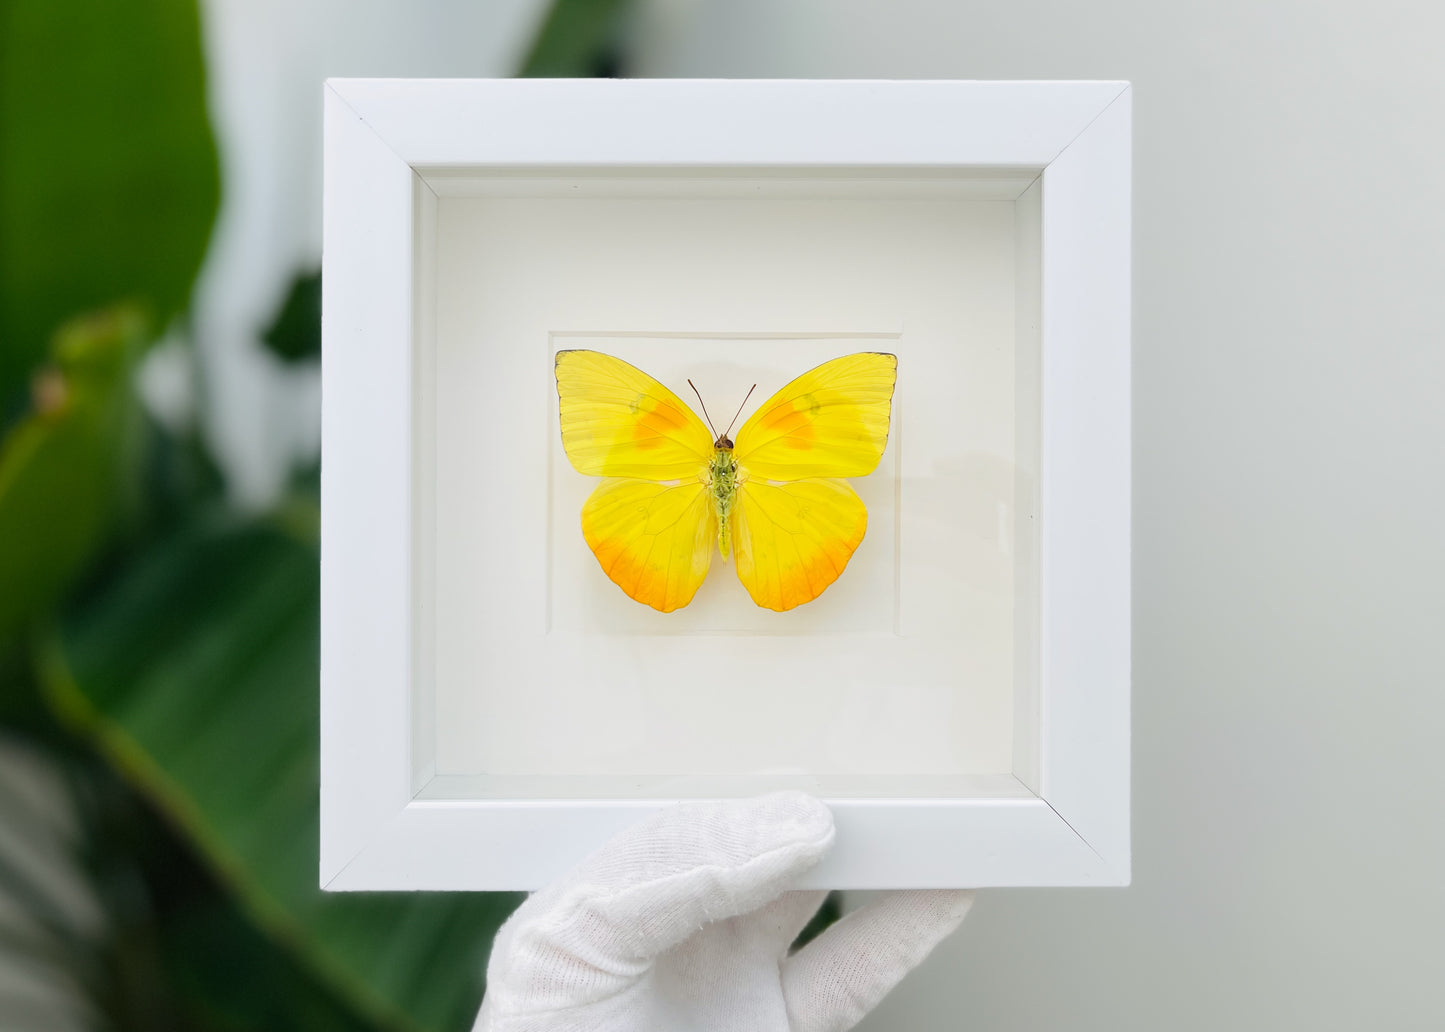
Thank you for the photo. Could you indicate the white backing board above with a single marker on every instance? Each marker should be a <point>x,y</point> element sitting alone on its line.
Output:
<point>543,672</point>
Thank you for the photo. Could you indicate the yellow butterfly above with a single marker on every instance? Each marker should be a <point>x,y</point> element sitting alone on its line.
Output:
<point>673,487</point>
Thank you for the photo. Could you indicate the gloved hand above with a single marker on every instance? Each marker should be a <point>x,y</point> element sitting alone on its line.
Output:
<point>682,924</point>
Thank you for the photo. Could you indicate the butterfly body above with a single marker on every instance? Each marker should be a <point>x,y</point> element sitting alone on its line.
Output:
<point>775,500</point>
<point>722,483</point>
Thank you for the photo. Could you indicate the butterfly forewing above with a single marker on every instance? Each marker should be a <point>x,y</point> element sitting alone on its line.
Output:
<point>830,422</point>
<point>619,422</point>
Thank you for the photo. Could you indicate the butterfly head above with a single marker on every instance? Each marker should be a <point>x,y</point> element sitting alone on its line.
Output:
<point>723,442</point>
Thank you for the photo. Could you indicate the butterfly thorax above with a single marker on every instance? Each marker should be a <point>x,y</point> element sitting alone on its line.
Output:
<point>722,482</point>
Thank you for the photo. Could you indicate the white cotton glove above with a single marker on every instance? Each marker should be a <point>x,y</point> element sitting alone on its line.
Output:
<point>682,924</point>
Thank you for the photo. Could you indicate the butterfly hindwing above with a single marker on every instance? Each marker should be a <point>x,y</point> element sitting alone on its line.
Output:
<point>794,539</point>
<point>655,541</point>
<point>619,422</point>
<point>830,422</point>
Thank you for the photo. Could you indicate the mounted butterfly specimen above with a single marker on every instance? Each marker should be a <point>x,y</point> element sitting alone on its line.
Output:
<point>676,490</point>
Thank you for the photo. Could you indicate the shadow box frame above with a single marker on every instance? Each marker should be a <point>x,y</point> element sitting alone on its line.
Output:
<point>1061,816</point>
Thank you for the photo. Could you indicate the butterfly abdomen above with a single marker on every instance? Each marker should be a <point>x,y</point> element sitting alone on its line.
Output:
<point>722,474</point>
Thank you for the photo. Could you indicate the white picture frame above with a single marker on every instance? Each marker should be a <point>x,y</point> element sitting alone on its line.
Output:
<point>1060,816</point>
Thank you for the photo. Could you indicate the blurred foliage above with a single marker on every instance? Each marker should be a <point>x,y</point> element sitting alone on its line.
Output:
<point>118,926</point>
<point>828,913</point>
<point>51,928</point>
<point>577,39</point>
<point>295,334</point>
<point>196,670</point>
<point>158,650</point>
<point>62,466</point>
<point>109,179</point>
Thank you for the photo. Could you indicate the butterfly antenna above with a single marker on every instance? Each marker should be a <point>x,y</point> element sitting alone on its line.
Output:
<point>739,412</point>
<point>704,409</point>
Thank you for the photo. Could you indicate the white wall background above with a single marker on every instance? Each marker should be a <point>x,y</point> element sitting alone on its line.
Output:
<point>1289,507</point>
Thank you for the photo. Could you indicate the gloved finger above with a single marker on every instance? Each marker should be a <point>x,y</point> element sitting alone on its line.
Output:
<point>651,887</point>
<point>776,925</point>
<point>830,984</point>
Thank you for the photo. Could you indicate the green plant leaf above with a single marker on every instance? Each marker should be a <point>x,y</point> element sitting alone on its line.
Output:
<point>577,39</point>
<point>62,467</point>
<point>110,923</point>
<point>196,673</point>
<point>109,179</point>
<point>828,914</point>
<point>295,334</point>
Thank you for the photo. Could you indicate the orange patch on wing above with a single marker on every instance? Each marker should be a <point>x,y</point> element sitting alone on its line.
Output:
<point>792,423</point>
<point>669,415</point>
<point>802,438</point>
<point>809,579</point>
<point>656,424</point>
